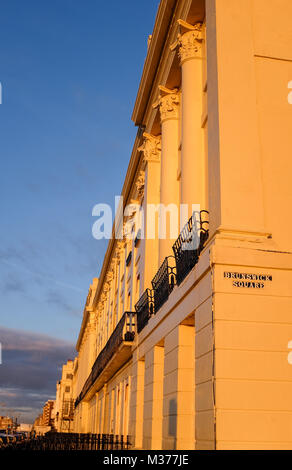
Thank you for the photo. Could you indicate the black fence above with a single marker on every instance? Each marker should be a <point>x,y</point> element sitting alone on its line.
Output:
<point>71,442</point>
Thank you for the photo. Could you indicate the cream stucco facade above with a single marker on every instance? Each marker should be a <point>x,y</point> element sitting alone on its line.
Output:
<point>64,403</point>
<point>204,363</point>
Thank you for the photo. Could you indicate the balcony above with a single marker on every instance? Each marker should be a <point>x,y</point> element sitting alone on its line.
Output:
<point>106,363</point>
<point>164,282</point>
<point>190,243</point>
<point>173,270</point>
<point>144,309</point>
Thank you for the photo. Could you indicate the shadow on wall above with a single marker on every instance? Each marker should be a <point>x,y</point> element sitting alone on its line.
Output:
<point>172,423</point>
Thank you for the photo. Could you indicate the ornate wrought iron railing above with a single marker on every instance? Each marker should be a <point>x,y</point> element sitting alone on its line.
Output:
<point>72,441</point>
<point>190,243</point>
<point>164,282</point>
<point>124,331</point>
<point>144,309</point>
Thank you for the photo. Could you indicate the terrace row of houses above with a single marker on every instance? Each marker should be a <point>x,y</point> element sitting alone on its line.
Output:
<point>184,337</point>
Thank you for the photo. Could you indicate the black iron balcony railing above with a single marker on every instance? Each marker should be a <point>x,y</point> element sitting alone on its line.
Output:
<point>53,441</point>
<point>190,243</point>
<point>129,259</point>
<point>144,308</point>
<point>164,282</point>
<point>124,331</point>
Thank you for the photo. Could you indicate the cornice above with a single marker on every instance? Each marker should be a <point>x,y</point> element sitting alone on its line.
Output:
<point>160,31</point>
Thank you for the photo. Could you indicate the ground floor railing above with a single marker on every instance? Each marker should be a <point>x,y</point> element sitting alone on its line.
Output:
<point>72,441</point>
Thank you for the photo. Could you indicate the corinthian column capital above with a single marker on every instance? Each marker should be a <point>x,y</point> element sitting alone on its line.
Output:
<point>151,148</point>
<point>168,103</point>
<point>189,41</point>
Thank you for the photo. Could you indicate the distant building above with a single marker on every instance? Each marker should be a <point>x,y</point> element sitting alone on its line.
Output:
<point>47,417</point>
<point>64,404</point>
<point>6,423</point>
<point>45,421</point>
<point>23,427</point>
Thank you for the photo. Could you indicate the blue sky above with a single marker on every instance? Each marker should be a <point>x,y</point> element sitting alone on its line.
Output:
<point>70,71</point>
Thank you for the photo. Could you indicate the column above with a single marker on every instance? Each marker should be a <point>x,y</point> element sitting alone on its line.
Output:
<point>178,392</point>
<point>153,398</point>
<point>168,103</point>
<point>151,149</point>
<point>136,404</point>
<point>96,423</point>
<point>91,328</point>
<point>84,417</point>
<point>189,45</point>
<point>104,409</point>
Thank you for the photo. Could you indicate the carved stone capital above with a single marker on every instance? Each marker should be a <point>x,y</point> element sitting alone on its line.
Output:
<point>106,287</point>
<point>109,277</point>
<point>151,148</point>
<point>140,185</point>
<point>91,326</point>
<point>100,308</point>
<point>168,103</point>
<point>119,250</point>
<point>189,41</point>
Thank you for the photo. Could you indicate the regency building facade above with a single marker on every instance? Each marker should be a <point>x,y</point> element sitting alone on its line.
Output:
<point>187,348</point>
<point>64,402</point>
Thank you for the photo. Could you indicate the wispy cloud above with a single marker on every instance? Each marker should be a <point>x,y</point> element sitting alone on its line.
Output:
<point>31,366</point>
<point>42,276</point>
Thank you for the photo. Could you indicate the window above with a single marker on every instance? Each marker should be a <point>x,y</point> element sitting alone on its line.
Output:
<point>137,293</point>
<point>67,389</point>
<point>69,376</point>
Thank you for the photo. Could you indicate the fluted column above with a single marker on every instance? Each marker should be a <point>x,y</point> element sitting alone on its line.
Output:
<point>189,45</point>
<point>151,149</point>
<point>168,104</point>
